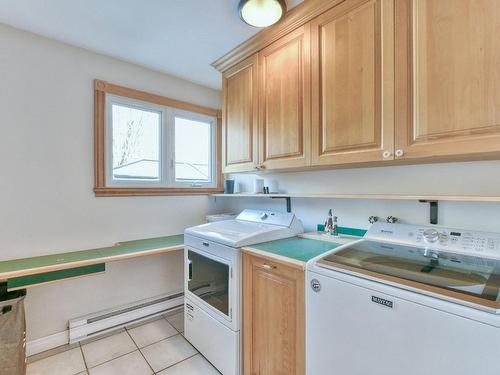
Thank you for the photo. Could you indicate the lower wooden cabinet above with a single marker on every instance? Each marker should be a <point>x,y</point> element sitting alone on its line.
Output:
<point>273,317</point>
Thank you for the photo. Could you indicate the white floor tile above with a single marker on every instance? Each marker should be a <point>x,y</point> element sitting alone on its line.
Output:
<point>177,321</point>
<point>129,364</point>
<point>196,365</point>
<point>69,362</point>
<point>106,349</point>
<point>152,332</point>
<point>168,352</point>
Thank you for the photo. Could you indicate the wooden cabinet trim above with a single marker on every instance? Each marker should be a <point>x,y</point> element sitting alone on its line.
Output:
<point>288,262</point>
<point>294,19</point>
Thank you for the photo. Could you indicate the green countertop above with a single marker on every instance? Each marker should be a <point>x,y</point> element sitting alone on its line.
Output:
<point>296,248</point>
<point>122,250</point>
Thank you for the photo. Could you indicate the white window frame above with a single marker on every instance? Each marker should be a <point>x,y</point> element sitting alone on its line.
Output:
<point>166,145</point>
<point>173,113</point>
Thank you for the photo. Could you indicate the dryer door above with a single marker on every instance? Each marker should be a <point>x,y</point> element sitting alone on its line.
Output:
<point>208,279</point>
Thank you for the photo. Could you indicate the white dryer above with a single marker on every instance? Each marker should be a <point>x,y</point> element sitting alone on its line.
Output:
<point>212,283</point>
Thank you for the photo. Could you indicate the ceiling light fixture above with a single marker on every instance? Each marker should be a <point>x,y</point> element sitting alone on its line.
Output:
<point>262,13</point>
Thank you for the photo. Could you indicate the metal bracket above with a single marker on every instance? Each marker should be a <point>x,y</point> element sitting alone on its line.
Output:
<point>288,202</point>
<point>433,206</point>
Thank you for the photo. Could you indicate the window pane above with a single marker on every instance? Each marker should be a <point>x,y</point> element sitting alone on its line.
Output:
<point>136,144</point>
<point>192,150</point>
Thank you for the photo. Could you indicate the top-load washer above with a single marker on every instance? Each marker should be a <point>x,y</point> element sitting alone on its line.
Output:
<point>405,300</point>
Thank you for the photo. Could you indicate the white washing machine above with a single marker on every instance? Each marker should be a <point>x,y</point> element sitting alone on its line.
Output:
<point>406,300</point>
<point>212,286</point>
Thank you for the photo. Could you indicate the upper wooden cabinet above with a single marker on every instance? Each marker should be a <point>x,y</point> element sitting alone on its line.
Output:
<point>284,101</point>
<point>366,82</point>
<point>240,117</point>
<point>352,83</point>
<point>447,77</point>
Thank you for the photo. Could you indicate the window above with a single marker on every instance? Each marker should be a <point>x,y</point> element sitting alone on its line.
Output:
<point>193,154</point>
<point>157,146</point>
<point>134,133</point>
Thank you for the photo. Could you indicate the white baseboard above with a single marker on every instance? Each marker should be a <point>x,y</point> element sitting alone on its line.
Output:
<point>46,343</point>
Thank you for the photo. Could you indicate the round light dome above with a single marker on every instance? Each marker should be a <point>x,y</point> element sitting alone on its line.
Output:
<point>262,13</point>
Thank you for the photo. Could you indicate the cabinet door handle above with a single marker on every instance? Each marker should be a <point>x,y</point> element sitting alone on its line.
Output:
<point>399,153</point>
<point>386,154</point>
<point>268,266</point>
<point>262,166</point>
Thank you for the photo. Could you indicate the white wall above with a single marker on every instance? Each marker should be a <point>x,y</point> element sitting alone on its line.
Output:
<point>473,178</point>
<point>46,178</point>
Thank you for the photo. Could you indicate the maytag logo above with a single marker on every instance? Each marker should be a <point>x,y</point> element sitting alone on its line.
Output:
<point>315,285</point>
<point>383,302</point>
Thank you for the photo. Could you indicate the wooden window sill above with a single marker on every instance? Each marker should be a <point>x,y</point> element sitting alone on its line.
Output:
<point>131,192</point>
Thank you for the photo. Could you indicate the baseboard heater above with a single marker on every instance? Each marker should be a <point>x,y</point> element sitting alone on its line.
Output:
<point>105,321</point>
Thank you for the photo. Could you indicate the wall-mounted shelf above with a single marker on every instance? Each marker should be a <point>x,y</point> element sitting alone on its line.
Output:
<point>456,198</point>
<point>431,199</point>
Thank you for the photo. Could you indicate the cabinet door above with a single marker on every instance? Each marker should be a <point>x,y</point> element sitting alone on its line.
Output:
<point>240,117</point>
<point>447,78</point>
<point>273,318</point>
<point>353,83</point>
<point>284,99</point>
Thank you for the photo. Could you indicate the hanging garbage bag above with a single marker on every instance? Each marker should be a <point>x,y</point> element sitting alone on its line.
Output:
<point>12,332</point>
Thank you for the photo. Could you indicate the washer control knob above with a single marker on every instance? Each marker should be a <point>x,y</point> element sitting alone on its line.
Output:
<point>263,216</point>
<point>431,235</point>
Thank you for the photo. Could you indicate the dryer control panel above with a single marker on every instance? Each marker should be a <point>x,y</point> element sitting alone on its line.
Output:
<point>283,219</point>
<point>439,238</point>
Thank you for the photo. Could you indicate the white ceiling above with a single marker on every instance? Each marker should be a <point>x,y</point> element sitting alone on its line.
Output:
<point>179,37</point>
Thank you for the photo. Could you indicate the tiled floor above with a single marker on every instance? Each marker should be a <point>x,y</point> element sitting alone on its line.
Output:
<point>154,347</point>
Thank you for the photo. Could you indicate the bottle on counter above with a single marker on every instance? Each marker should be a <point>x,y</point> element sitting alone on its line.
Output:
<point>329,222</point>
<point>335,229</point>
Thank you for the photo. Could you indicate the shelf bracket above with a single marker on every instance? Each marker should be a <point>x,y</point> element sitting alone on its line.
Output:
<point>433,206</point>
<point>288,202</point>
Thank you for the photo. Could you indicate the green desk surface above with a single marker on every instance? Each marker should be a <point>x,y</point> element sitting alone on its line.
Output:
<point>122,250</point>
<point>295,248</point>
